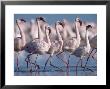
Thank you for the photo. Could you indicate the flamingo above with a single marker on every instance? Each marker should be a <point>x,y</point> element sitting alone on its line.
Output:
<point>34,28</point>
<point>38,45</point>
<point>83,51</point>
<point>56,45</point>
<point>92,35</point>
<point>93,43</point>
<point>19,42</point>
<point>71,43</point>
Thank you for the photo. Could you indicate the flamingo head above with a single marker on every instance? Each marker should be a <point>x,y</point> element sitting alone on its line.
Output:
<point>48,29</point>
<point>21,23</point>
<point>88,26</point>
<point>41,19</point>
<point>60,23</point>
<point>78,20</point>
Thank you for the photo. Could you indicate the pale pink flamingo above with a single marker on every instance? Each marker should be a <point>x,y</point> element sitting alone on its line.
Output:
<point>56,44</point>
<point>71,43</point>
<point>83,51</point>
<point>19,42</point>
<point>92,35</point>
<point>38,45</point>
<point>93,43</point>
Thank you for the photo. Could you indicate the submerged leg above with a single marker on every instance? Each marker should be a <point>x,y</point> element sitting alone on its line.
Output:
<point>88,58</point>
<point>55,66</point>
<point>66,63</point>
<point>28,59</point>
<point>68,67</point>
<point>84,67</point>
<point>36,66</point>
<point>47,62</point>
<point>59,54</point>
<point>77,65</point>
<point>17,61</point>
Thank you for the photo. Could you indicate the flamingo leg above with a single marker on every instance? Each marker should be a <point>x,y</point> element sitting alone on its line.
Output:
<point>88,59</point>
<point>84,67</point>
<point>68,67</point>
<point>55,66</point>
<point>36,66</point>
<point>94,53</point>
<point>28,57</point>
<point>17,61</point>
<point>59,54</point>
<point>81,63</point>
<point>67,63</point>
<point>77,66</point>
<point>47,62</point>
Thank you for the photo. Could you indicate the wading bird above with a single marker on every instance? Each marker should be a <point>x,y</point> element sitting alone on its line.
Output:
<point>56,44</point>
<point>19,41</point>
<point>38,45</point>
<point>71,43</point>
<point>83,51</point>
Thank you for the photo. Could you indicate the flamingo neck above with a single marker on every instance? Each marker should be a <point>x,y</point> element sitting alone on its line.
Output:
<point>47,37</point>
<point>59,38</point>
<point>77,32</point>
<point>87,40</point>
<point>39,31</point>
<point>22,35</point>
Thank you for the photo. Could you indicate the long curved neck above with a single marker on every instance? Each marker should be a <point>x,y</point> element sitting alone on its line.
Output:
<point>77,32</point>
<point>58,33</point>
<point>59,38</point>
<point>39,31</point>
<point>47,37</point>
<point>22,35</point>
<point>87,40</point>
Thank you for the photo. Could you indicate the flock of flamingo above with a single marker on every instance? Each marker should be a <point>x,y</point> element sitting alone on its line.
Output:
<point>37,37</point>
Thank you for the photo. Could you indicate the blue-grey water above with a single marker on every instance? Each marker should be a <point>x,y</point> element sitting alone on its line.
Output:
<point>90,70</point>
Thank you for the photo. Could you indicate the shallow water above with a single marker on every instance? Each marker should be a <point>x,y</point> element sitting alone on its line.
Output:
<point>90,70</point>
